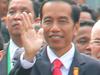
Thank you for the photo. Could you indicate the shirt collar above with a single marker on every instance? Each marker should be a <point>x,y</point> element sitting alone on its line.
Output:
<point>13,47</point>
<point>68,56</point>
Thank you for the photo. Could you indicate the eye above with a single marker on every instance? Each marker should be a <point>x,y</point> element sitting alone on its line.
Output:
<point>47,22</point>
<point>83,41</point>
<point>25,11</point>
<point>96,42</point>
<point>63,21</point>
<point>11,12</point>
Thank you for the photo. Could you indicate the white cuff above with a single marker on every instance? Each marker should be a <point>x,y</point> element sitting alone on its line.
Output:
<point>25,63</point>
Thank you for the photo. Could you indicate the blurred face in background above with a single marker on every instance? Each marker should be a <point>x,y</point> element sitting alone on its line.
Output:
<point>82,39</point>
<point>95,43</point>
<point>16,7</point>
<point>3,7</point>
<point>85,16</point>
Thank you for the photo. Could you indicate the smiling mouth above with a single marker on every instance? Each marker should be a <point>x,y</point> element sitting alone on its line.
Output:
<point>56,36</point>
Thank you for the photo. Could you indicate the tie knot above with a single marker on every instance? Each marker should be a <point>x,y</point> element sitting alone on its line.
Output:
<point>57,63</point>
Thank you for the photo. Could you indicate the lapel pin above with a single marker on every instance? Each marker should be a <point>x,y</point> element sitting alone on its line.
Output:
<point>76,71</point>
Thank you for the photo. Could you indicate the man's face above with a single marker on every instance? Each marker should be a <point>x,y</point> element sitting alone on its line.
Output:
<point>16,7</point>
<point>85,16</point>
<point>82,39</point>
<point>58,25</point>
<point>3,7</point>
<point>95,44</point>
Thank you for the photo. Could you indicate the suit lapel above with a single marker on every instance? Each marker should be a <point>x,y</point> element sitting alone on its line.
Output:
<point>78,63</point>
<point>43,63</point>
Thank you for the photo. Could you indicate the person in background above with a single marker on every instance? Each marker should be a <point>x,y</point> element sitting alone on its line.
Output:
<point>95,40</point>
<point>3,13</point>
<point>79,2</point>
<point>82,39</point>
<point>1,47</point>
<point>98,14</point>
<point>3,8</point>
<point>60,23</point>
<point>15,46</point>
<point>3,63</point>
<point>87,13</point>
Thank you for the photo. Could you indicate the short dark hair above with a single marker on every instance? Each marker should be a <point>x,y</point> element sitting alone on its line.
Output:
<point>85,8</point>
<point>75,9</point>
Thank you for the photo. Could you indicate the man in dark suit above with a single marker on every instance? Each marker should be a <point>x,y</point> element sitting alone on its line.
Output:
<point>3,13</point>
<point>1,46</point>
<point>3,63</point>
<point>15,46</point>
<point>59,20</point>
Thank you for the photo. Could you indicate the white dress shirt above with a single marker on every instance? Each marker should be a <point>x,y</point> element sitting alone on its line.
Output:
<point>66,59</point>
<point>12,48</point>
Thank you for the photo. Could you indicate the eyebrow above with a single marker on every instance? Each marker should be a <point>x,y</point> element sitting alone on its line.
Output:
<point>11,8</point>
<point>97,39</point>
<point>24,8</point>
<point>61,17</point>
<point>48,17</point>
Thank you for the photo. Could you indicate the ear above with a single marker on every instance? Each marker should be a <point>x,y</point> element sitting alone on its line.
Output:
<point>76,28</point>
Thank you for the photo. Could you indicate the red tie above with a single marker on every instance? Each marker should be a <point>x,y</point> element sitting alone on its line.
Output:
<point>57,65</point>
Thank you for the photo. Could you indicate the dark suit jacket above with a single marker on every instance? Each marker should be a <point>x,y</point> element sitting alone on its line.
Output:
<point>5,32</point>
<point>3,64</point>
<point>85,64</point>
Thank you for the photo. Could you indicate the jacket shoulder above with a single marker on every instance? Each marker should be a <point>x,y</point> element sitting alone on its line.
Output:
<point>90,61</point>
<point>91,65</point>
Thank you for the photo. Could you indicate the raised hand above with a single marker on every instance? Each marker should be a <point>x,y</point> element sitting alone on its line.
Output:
<point>32,40</point>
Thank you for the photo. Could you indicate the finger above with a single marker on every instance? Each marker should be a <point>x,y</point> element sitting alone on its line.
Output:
<point>22,29</point>
<point>34,33</point>
<point>3,52</point>
<point>25,20</point>
<point>40,33</point>
<point>29,19</point>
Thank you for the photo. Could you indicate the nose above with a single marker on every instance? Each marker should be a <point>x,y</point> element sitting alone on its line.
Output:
<point>55,27</point>
<point>17,16</point>
<point>88,50</point>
